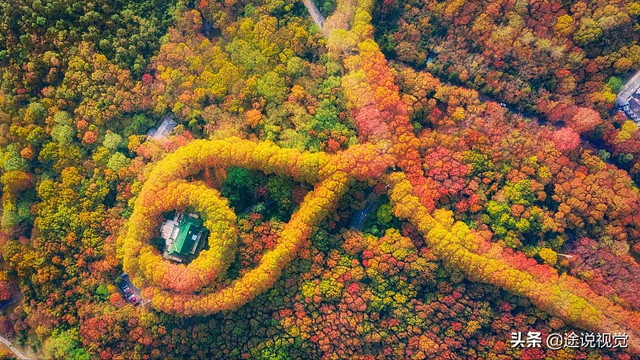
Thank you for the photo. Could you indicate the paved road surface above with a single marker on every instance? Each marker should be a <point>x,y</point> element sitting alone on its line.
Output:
<point>15,350</point>
<point>358,219</point>
<point>315,14</point>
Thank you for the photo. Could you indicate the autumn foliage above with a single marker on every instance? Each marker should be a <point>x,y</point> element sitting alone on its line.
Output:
<point>382,118</point>
<point>412,180</point>
<point>172,286</point>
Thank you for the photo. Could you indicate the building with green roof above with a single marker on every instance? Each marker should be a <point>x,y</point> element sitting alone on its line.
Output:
<point>186,237</point>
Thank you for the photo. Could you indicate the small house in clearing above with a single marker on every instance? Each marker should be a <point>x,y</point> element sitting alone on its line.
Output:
<point>628,99</point>
<point>164,128</point>
<point>184,237</point>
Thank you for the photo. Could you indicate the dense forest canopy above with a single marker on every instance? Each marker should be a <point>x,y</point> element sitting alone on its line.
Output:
<point>413,179</point>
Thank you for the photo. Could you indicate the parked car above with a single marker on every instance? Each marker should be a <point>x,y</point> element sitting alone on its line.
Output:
<point>133,299</point>
<point>126,289</point>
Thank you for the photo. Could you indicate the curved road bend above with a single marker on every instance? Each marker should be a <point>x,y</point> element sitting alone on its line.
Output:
<point>14,349</point>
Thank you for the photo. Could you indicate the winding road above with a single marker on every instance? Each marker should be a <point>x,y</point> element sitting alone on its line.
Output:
<point>319,20</point>
<point>14,349</point>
